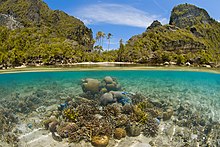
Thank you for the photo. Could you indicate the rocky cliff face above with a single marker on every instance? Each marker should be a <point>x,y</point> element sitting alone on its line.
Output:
<point>10,22</point>
<point>36,13</point>
<point>186,15</point>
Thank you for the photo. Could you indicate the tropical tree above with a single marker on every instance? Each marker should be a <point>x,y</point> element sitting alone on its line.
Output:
<point>109,37</point>
<point>98,37</point>
<point>102,35</point>
<point>121,50</point>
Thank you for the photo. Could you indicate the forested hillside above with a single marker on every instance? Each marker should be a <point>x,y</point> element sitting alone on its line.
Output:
<point>191,36</point>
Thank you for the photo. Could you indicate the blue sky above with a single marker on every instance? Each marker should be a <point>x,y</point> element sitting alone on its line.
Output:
<point>125,18</point>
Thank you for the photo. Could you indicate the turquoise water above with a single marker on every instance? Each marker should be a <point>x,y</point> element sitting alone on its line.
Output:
<point>200,89</point>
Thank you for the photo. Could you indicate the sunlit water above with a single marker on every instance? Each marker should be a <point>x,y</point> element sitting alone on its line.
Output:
<point>198,88</point>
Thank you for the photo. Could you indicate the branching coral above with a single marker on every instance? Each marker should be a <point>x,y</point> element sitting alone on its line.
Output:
<point>141,116</point>
<point>70,114</point>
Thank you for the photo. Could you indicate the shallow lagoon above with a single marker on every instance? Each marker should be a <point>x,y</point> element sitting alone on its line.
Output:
<point>199,89</point>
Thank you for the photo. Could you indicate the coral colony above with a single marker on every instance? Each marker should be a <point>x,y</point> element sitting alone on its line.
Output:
<point>103,112</point>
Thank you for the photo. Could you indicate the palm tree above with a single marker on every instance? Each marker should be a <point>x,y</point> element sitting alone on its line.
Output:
<point>102,35</point>
<point>98,37</point>
<point>109,37</point>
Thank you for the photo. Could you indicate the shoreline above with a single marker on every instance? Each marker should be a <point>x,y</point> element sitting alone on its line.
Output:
<point>107,66</point>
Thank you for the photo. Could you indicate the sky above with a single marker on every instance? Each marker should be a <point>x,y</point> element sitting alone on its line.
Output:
<point>126,18</point>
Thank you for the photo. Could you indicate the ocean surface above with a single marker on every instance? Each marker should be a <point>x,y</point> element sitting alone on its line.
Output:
<point>199,89</point>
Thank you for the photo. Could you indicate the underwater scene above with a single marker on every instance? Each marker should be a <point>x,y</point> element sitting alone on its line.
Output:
<point>138,108</point>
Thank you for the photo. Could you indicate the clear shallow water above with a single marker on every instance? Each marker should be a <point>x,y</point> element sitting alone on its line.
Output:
<point>200,89</point>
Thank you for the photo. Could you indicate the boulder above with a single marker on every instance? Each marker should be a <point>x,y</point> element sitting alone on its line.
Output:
<point>106,99</point>
<point>91,85</point>
<point>111,87</point>
<point>108,80</point>
<point>117,94</point>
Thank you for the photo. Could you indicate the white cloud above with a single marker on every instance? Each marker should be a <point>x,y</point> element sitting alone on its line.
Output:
<point>117,14</point>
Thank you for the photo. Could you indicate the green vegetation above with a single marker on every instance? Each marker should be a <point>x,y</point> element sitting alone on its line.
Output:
<point>46,37</point>
<point>195,40</point>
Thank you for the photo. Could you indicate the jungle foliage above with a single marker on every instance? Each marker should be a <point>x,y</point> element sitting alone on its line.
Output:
<point>51,37</point>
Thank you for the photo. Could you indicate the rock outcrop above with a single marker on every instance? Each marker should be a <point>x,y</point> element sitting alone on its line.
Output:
<point>187,15</point>
<point>155,24</point>
<point>36,13</point>
<point>10,22</point>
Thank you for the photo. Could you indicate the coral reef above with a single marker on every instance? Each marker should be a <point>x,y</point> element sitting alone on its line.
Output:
<point>100,141</point>
<point>91,85</point>
<point>100,116</point>
<point>103,114</point>
<point>120,133</point>
<point>70,114</point>
<point>151,128</point>
<point>7,123</point>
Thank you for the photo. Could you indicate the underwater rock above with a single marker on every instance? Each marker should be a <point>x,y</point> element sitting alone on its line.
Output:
<point>106,99</point>
<point>117,94</point>
<point>134,129</point>
<point>91,85</point>
<point>53,126</point>
<point>120,133</point>
<point>47,122</point>
<point>108,80</point>
<point>112,87</point>
<point>121,97</point>
<point>111,84</point>
<point>168,114</point>
<point>56,137</point>
<point>100,141</point>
